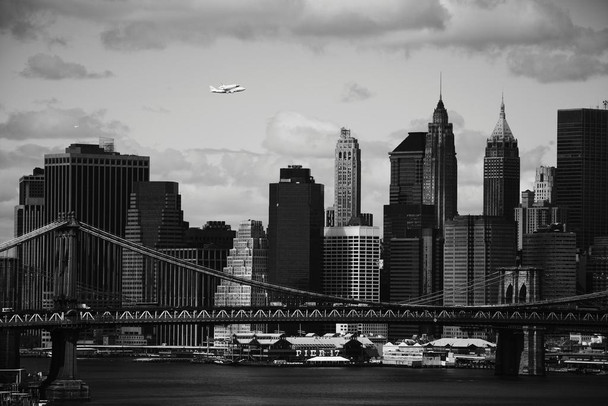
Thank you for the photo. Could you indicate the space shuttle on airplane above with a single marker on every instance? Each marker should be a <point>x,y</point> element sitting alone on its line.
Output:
<point>227,89</point>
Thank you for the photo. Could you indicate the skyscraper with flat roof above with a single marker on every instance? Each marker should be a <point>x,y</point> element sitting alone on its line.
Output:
<point>95,184</point>
<point>475,247</point>
<point>501,171</point>
<point>581,177</point>
<point>347,179</point>
<point>554,251</point>
<point>295,230</point>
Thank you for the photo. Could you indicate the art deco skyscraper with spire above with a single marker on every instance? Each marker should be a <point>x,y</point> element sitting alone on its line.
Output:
<point>501,171</point>
<point>440,184</point>
<point>347,172</point>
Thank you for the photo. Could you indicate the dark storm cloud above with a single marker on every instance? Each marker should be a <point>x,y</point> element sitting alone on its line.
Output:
<point>547,68</point>
<point>354,92</point>
<point>20,18</point>
<point>51,67</point>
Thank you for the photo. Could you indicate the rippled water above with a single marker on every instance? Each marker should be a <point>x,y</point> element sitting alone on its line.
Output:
<point>124,382</point>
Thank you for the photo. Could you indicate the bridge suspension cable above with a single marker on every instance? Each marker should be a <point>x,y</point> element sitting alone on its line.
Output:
<point>33,234</point>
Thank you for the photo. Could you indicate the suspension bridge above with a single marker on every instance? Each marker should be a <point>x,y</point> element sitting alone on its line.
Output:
<point>520,327</point>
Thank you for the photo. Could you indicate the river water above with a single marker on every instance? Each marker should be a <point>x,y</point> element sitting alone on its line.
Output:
<point>120,381</point>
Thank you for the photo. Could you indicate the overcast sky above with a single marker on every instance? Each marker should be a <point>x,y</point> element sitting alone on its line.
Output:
<point>139,72</point>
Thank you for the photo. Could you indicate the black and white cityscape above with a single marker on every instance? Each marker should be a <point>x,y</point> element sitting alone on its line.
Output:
<point>412,190</point>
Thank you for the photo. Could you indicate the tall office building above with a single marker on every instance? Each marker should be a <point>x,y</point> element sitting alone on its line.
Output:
<point>423,196</point>
<point>554,251</point>
<point>475,247</point>
<point>95,183</point>
<point>295,230</point>
<point>351,269</point>
<point>581,177</point>
<point>501,171</point>
<point>347,179</point>
<point>29,215</point>
<point>544,190</point>
<point>154,219</point>
<point>597,267</point>
<point>10,292</point>
<point>440,181</point>
<point>248,259</point>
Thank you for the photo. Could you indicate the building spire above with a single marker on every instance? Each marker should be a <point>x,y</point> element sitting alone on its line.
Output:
<point>440,85</point>
<point>502,106</point>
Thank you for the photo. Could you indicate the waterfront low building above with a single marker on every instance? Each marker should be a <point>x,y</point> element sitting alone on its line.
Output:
<point>279,347</point>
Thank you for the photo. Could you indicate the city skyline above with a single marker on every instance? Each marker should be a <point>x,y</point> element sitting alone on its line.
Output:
<point>139,72</point>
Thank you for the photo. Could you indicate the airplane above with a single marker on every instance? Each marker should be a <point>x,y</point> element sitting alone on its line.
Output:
<point>227,89</point>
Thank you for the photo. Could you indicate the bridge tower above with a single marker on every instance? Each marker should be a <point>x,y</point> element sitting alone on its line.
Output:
<point>520,352</point>
<point>61,382</point>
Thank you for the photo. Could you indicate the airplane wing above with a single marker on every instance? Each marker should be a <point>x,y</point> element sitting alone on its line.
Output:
<point>214,90</point>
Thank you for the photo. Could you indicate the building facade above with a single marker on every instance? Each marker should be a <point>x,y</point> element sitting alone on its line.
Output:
<point>347,179</point>
<point>295,231</point>
<point>581,177</point>
<point>440,170</point>
<point>351,269</point>
<point>94,183</point>
<point>29,215</point>
<point>154,219</point>
<point>554,252</point>
<point>475,247</point>
<point>501,171</point>
<point>248,259</point>
<point>544,190</point>
<point>532,215</point>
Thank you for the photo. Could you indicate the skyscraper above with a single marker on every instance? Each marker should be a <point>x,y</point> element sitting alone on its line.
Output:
<point>295,230</point>
<point>440,181</point>
<point>475,247</point>
<point>501,171</point>
<point>532,215</point>
<point>248,259</point>
<point>347,179</point>
<point>154,219</point>
<point>351,268</point>
<point>544,190</point>
<point>423,196</point>
<point>95,184</point>
<point>581,177</point>
<point>29,215</point>
<point>554,252</point>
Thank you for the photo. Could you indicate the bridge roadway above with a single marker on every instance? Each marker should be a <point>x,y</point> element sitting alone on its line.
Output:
<point>483,316</point>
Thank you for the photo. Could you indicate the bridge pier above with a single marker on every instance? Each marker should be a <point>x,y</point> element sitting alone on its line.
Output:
<point>61,383</point>
<point>520,352</point>
<point>9,349</point>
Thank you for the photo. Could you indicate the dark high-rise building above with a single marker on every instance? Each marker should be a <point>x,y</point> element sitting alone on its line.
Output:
<point>95,184</point>
<point>295,230</point>
<point>423,196</point>
<point>581,178</point>
<point>29,215</point>
<point>154,219</point>
<point>475,247</point>
<point>501,171</point>
<point>554,252</point>
<point>347,179</point>
<point>440,181</point>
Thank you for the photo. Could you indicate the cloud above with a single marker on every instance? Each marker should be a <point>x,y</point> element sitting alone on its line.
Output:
<point>54,68</point>
<point>296,135</point>
<point>20,19</point>
<point>354,92</point>
<point>550,67</point>
<point>59,123</point>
